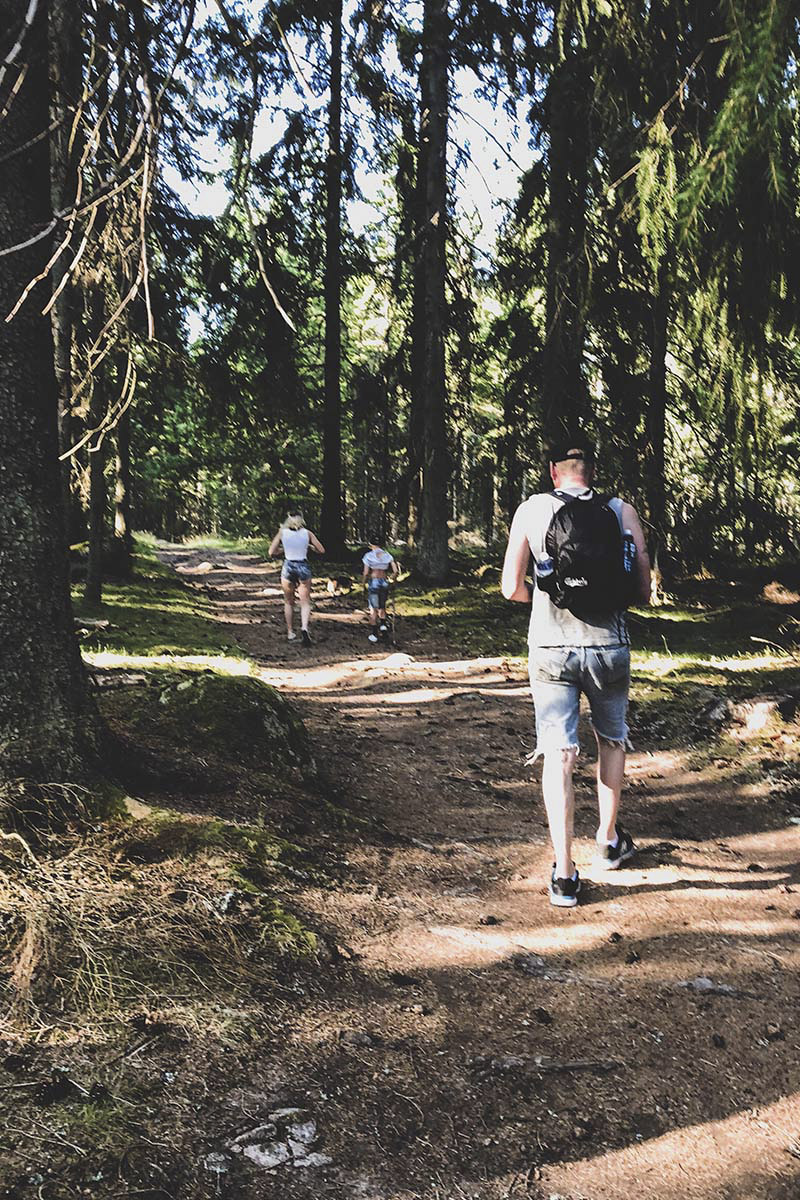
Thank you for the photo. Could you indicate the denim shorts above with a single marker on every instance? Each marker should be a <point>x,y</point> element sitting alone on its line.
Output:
<point>296,570</point>
<point>377,593</point>
<point>559,674</point>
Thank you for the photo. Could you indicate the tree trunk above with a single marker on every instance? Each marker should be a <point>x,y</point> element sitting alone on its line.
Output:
<point>331,523</point>
<point>416,420</point>
<point>733,445</point>
<point>93,588</point>
<point>404,272</point>
<point>65,31</point>
<point>123,534</point>
<point>512,466</point>
<point>386,504</point>
<point>433,553</point>
<point>564,398</point>
<point>46,717</point>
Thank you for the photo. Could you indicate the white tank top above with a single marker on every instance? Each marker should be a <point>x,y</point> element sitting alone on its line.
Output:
<point>295,544</point>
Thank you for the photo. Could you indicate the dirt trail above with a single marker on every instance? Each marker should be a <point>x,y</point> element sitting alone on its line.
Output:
<point>472,1041</point>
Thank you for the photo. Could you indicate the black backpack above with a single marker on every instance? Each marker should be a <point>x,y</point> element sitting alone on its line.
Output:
<point>585,542</point>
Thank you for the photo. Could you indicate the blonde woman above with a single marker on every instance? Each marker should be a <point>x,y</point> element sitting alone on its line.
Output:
<point>296,572</point>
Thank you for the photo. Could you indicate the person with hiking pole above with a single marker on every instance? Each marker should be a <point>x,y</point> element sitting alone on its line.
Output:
<point>380,571</point>
<point>296,572</point>
<point>590,564</point>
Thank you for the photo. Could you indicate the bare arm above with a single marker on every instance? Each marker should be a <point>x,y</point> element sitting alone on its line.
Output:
<point>275,543</point>
<point>365,573</point>
<point>395,570</point>
<point>515,564</point>
<point>315,543</point>
<point>630,520</point>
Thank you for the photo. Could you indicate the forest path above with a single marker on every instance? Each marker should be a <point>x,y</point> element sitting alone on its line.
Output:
<point>472,1040</point>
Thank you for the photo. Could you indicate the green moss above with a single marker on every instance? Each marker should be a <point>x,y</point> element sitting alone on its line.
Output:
<point>165,834</point>
<point>153,613</point>
<point>107,801</point>
<point>238,719</point>
<point>285,933</point>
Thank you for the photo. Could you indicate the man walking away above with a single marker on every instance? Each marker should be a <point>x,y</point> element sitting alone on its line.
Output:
<point>591,562</point>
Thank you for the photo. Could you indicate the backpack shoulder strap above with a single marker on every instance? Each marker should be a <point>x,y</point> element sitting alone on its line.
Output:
<point>615,504</point>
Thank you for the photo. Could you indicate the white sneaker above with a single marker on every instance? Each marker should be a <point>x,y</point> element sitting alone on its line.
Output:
<point>384,628</point>
<point>291,637</point>
<point>372,638</point>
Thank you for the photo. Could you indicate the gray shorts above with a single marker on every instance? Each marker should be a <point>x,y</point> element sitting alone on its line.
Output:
<point>559,674</point>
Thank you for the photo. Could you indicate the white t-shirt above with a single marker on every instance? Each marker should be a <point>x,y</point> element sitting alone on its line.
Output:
<point>552,626</point>
<point>295,544</point>
<point>377,560</point>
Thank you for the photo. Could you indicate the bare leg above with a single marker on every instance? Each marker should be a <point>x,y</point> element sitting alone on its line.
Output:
<point>304,593</point>
<point>288,603</point>
<point>559,801</point>
<point>610,774</point>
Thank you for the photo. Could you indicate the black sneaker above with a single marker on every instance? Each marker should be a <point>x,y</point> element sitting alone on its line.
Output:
<point>612,857</point>
<point>306,637</point>
<point>564,892</point>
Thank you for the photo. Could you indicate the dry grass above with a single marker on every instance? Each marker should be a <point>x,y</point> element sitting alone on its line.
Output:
<point>100,922</point>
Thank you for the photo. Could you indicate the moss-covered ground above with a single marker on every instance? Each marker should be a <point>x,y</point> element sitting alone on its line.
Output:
<point>150,614</point>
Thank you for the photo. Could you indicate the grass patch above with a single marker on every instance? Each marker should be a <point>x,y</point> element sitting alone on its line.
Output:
<point>151,615</point>
<point>141,912</point>
<point>472,615</point>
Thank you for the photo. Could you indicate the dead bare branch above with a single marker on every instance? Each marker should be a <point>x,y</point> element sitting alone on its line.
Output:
<point>15,50</point>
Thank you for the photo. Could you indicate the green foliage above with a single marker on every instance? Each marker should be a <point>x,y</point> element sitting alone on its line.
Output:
<point>656,186</point>
<point>683,208</point>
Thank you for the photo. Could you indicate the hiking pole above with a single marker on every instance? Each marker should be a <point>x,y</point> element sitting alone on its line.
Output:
<point>391,613</point>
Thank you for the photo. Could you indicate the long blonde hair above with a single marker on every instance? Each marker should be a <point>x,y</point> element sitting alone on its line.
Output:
<point>294,520</point>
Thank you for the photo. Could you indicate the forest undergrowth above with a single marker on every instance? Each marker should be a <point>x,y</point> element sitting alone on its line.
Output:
<point>169,924</point>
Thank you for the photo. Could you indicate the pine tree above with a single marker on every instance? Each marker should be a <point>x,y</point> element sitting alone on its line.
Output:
<point>47,730</point>
<point>432,552</point>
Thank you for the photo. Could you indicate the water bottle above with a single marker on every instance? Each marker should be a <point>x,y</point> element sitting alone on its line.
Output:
<point>628,551</point>
<point>544,571</point>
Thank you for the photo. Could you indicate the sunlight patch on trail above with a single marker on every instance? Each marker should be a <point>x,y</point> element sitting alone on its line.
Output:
<point>739,1155</point>
<point>221,663</point>
<point>660,665</point>
<point>490,671</point>
<point>556,939</point>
